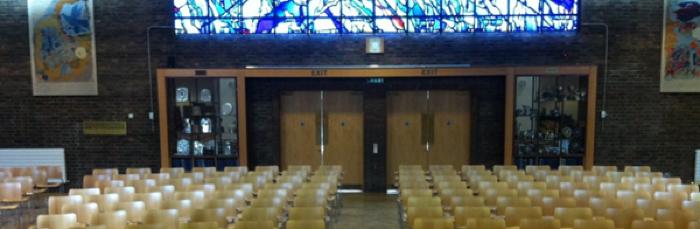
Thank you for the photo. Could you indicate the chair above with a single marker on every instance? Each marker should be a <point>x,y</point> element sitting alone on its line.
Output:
<point>210,215</point>
<point>144,185</point>
<point>260,214</point>
<point>128,179</point>
<point>84,211</point>
<point>112,219</point>
<point>568,215</point>
<point>173,172</point>
<point>183,207</point>
<point>461,214</point>
<point>167,217</point>
<point>422,212</point>
<point>57,221</point>
<point>486,223</point>
<point>105,171</point>
<point>125,193</point>
<point>11,193</point>
<point>140,171</point>
<point>513,215</point>
<point>152,200</point>
<point>160,178</point>
<point>623,217</point>
<point>594,223</point>
<point>433,223</point>
<point>648,224</point>
<point>56,203</point>
<point>196,177</point>
<point>197,197</point>
<point>635,169</point>
<point>199,225</point>
<point>305,224</point>
<point>406,193</point>
<point>206,171</point>
<point>541,223</point>
<point>241,169</point>
<point>89,180</point>
<point>231,206</point>
<point>264,224</point>
<point>424,202</point>
<point>599,205</point>
<point>676,216</point>
<point>307,213</point>
<point>83,191</point>
<point>105,202</point>
<point>135,210</point>
<point>504,201</point>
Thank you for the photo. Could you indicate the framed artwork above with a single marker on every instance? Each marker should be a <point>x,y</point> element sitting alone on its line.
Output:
<point>62,46</point>
<point>680,48</point>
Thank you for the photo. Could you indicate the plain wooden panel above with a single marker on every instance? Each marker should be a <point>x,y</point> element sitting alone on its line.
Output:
<point>298,126</point>
<point>345,135</point>
<point>404,146</point>
<point>452,128</point>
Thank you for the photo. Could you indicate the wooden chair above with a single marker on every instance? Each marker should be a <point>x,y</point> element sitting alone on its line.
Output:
<point>623,217</point>
<point>57,221</point>
<point>422,212</point>
<point>461,214</point>
<point>568,215</point>
<point>135,210</point>
<point>83,191</point>
<point>503,202</point>
<point>513,215</point>
<point>152,200</point>
<point>84,211</point>
<point>433,223</point>
<point>168,217</point>
<point>262,224</point>
<point>305,224</point>
<point>206,171</point>
<point>142,172</point>
<point>650,224</point>
<point>197,197</point>
<point>541,223</point>
<point>56,203</point>
<point>111,220</point>
<point>105,202</point>
<point>486,223</point>
<point>199,225</point>
<point>105,171</point>
<point>173,172</point>
<point>261,214</point>
<point>594,223</point>
<point>184,207</point>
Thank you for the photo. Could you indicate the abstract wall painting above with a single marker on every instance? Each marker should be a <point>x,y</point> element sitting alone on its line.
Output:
<point>62,46</point>
<point>680,55</point>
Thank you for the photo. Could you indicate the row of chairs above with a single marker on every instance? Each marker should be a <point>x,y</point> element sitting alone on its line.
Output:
<point>19,187</point>
<point>540,197</point>
<point>203,198</point>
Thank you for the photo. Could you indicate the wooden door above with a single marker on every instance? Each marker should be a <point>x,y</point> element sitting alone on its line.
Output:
<point>300,128</point>
<point>405,110</point>
<point>450,144</point>
<point>344,136</point>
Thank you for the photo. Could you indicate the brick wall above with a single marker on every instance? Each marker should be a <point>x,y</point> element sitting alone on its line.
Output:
<point>645,126</point>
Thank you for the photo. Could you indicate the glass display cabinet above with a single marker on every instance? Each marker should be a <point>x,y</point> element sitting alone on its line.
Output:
<point>550,120</point>
<point>202,122</point>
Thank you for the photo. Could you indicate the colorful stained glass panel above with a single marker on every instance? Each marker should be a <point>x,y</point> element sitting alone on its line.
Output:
<point>458,24</point>
<point>390,8</point>
<point>373,16</point>
<point>424,25</point>
<point>423,8</point>
<point>390,25</point>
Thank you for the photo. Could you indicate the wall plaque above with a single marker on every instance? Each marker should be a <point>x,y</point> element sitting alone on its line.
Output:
<point>113,128</point>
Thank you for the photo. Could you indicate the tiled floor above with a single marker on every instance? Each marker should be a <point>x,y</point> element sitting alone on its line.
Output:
<point>364,210</point>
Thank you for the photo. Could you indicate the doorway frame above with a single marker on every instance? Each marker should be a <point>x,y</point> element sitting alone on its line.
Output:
<point>508,73</point>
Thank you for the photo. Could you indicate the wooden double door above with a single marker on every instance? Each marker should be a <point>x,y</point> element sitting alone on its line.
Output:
<point>323,127</point>
<point>427,128</point>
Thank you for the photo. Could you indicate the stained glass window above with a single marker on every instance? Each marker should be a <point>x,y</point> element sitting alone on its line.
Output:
<point>373,16</point>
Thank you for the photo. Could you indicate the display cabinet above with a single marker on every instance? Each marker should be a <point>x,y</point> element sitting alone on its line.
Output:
<point>200,122</point>
<point>551,120</point>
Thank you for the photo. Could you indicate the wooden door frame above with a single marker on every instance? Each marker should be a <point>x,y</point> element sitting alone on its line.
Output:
<point>508,73</point>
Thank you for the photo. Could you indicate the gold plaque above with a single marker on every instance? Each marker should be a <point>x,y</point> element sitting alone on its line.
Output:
<point>113,128</point>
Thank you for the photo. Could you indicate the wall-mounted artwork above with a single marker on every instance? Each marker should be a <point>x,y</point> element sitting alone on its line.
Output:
<point>680,55</point>
<point>62,46</point>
